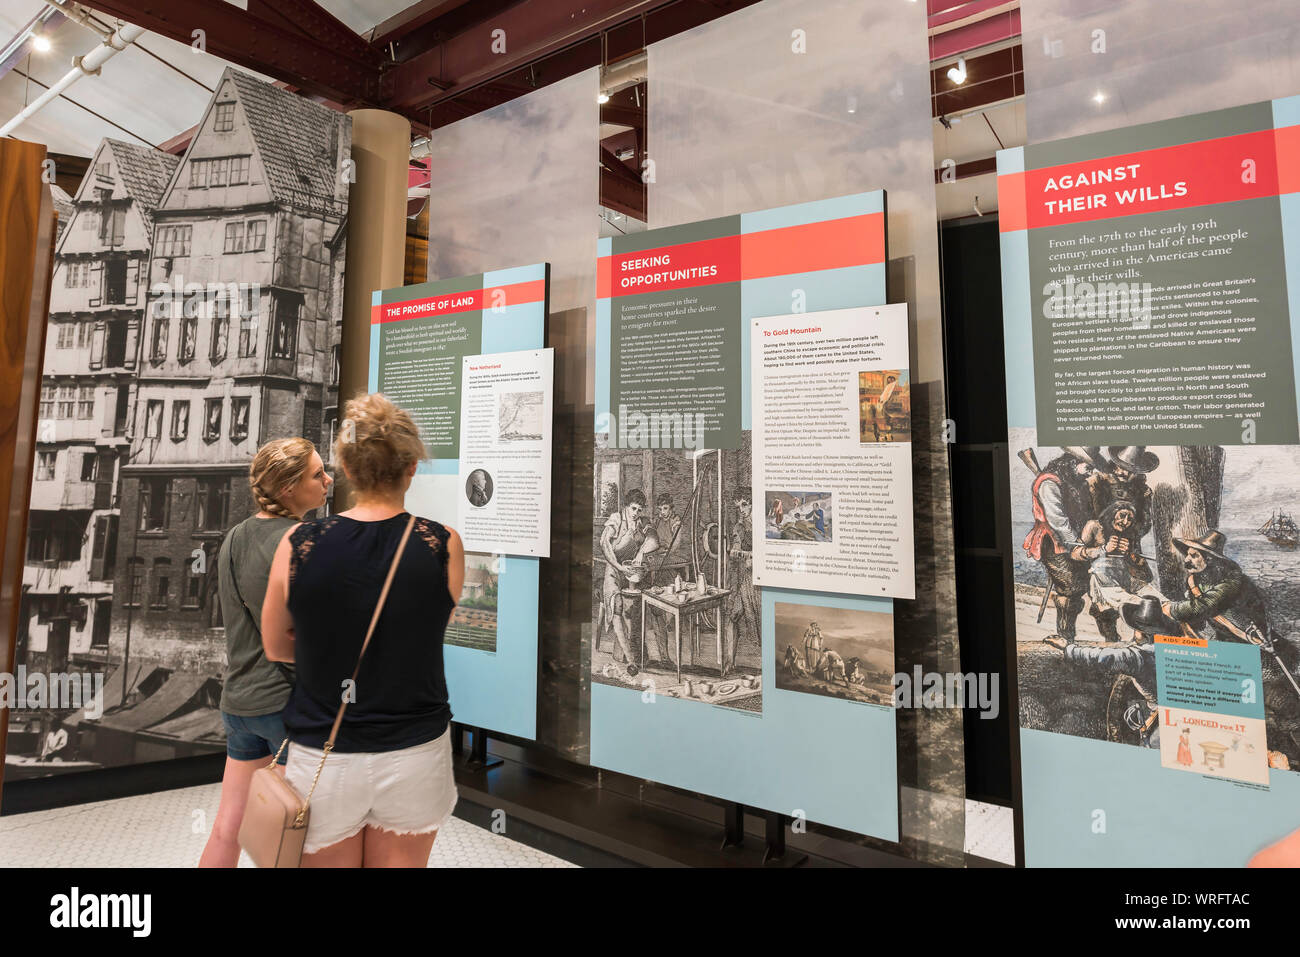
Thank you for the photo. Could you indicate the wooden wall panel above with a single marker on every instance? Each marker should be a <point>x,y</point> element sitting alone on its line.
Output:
<point>26,258</point>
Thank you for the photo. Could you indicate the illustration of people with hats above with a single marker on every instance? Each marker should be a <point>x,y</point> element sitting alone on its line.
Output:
<point>1110,545</point>
<point>1221,596</point>
<point>1125,479</point>
<point>1131,710</point>
<point>1062,505</point>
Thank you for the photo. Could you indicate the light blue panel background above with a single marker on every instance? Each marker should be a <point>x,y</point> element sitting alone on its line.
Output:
<point>1154,815</point>
<point>1011,161</point>
<point>1286,112</point>
<point>603,343</point>
<point>825,289</point>
<point>821,210</point>
<point>834,760</point>
<point>1017,330</point>
<point>497,691</point>
<point>1290,208</point>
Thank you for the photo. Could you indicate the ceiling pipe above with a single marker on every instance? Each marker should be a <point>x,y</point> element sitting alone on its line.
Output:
<point>87,65</point>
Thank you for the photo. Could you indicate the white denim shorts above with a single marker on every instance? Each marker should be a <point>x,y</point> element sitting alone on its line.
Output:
<point>411,791</point>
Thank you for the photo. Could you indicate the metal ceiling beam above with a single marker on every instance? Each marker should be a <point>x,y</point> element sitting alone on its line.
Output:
<point>412,18</point>
<point>466,60</point>
<point>310,62</point>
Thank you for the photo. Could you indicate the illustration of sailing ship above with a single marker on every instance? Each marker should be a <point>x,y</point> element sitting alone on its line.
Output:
<point>1281,530</point>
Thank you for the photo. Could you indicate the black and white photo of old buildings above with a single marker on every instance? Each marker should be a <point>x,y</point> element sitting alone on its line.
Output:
<point>195,313</point>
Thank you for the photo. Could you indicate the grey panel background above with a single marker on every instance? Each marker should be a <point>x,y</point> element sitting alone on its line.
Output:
<point>851,114</point>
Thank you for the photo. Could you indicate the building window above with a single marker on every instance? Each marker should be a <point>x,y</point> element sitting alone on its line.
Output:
<point>85,332</point>
<point>193,589</point>
<point>239,417</point>
<point>189,336</point>
<point>180,419</point>
<point>112,225</point>
<point>103,169</point>
<point>135,573</point>
<point>67,335</point>
<point>256,236</point>
<point>86,402</point>
<point>219,171</point>
<point>67,401</point>
<point>162,583</point>
<point>238,170</point>
<point>174,240</point>
<point>115,282</point>
<point>46,410</point>
<point>211,419</point>
<point>247,333</point>
<point>158,350</point>
<point>234,237</point>
<point>155,499</point>
<point>220,327</point>
<point>225,118</point>
<point>45,466</point>
<point>284,344</point>
<point>153,412</point>
<point>210,505</point>
<point>198,174</point>
<point>89,466</point>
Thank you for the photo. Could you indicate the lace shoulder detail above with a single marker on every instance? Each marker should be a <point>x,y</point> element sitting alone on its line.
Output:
<point>304,538</point>
<point>435,536</point>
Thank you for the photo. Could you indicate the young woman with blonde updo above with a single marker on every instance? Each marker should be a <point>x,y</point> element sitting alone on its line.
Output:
<point>387,785</point>
<point>288,480</point>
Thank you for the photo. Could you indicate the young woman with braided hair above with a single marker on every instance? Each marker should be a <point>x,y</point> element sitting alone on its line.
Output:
<point>288,480</point>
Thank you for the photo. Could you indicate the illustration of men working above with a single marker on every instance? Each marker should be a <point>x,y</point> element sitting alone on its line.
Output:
<point>620,543</point>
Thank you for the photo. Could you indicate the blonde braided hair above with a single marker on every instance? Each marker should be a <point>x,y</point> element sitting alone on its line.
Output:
<point>276,468</point>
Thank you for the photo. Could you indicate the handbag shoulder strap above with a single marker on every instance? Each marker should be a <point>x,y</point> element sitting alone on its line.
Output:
<point>374,620</point>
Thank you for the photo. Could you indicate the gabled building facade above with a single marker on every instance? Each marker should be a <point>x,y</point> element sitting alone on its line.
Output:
<point>97,305</point>
<point>239,346</point>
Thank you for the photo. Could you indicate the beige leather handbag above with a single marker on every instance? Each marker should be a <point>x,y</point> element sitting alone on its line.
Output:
<point>274,827</point>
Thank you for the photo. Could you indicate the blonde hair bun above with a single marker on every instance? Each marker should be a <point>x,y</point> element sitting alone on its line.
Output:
<point>377,442</point>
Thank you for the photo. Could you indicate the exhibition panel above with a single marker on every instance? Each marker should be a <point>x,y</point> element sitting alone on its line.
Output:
<point>1150,317</point>
<point>841,105</point>
<point>432,347</point>
<point>537,203</point>
<point>674,430</point>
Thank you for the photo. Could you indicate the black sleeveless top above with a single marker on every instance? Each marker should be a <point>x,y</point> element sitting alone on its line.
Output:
<point>337,568</point>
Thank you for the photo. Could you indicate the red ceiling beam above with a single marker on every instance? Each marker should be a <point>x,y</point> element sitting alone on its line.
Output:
<point>350,75</point>
<point>532,30</point>
<point>412,18</point>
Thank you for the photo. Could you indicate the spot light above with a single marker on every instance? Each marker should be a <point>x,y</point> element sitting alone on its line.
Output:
<point>1099,97</point>
<point>603,98</point>
<point>958,73</point>
<point>41,44</point>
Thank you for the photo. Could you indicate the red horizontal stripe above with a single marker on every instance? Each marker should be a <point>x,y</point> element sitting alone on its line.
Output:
<point>1225,170</point>
<point>704,263</point>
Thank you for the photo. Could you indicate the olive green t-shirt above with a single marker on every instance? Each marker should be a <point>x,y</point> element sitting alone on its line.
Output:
<point>253,685</point>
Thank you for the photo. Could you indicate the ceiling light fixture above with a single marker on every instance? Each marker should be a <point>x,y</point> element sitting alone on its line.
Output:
<point>1099,97</point>
<point>41,44</point>
<point>958,73</point>
<point>603,98</point>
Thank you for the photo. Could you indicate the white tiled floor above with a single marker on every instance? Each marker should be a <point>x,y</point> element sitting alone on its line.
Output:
<point>990,832</point>
<point>169,829</point>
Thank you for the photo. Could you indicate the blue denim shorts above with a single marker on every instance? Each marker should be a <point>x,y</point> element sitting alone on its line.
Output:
<point>248,739</point>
